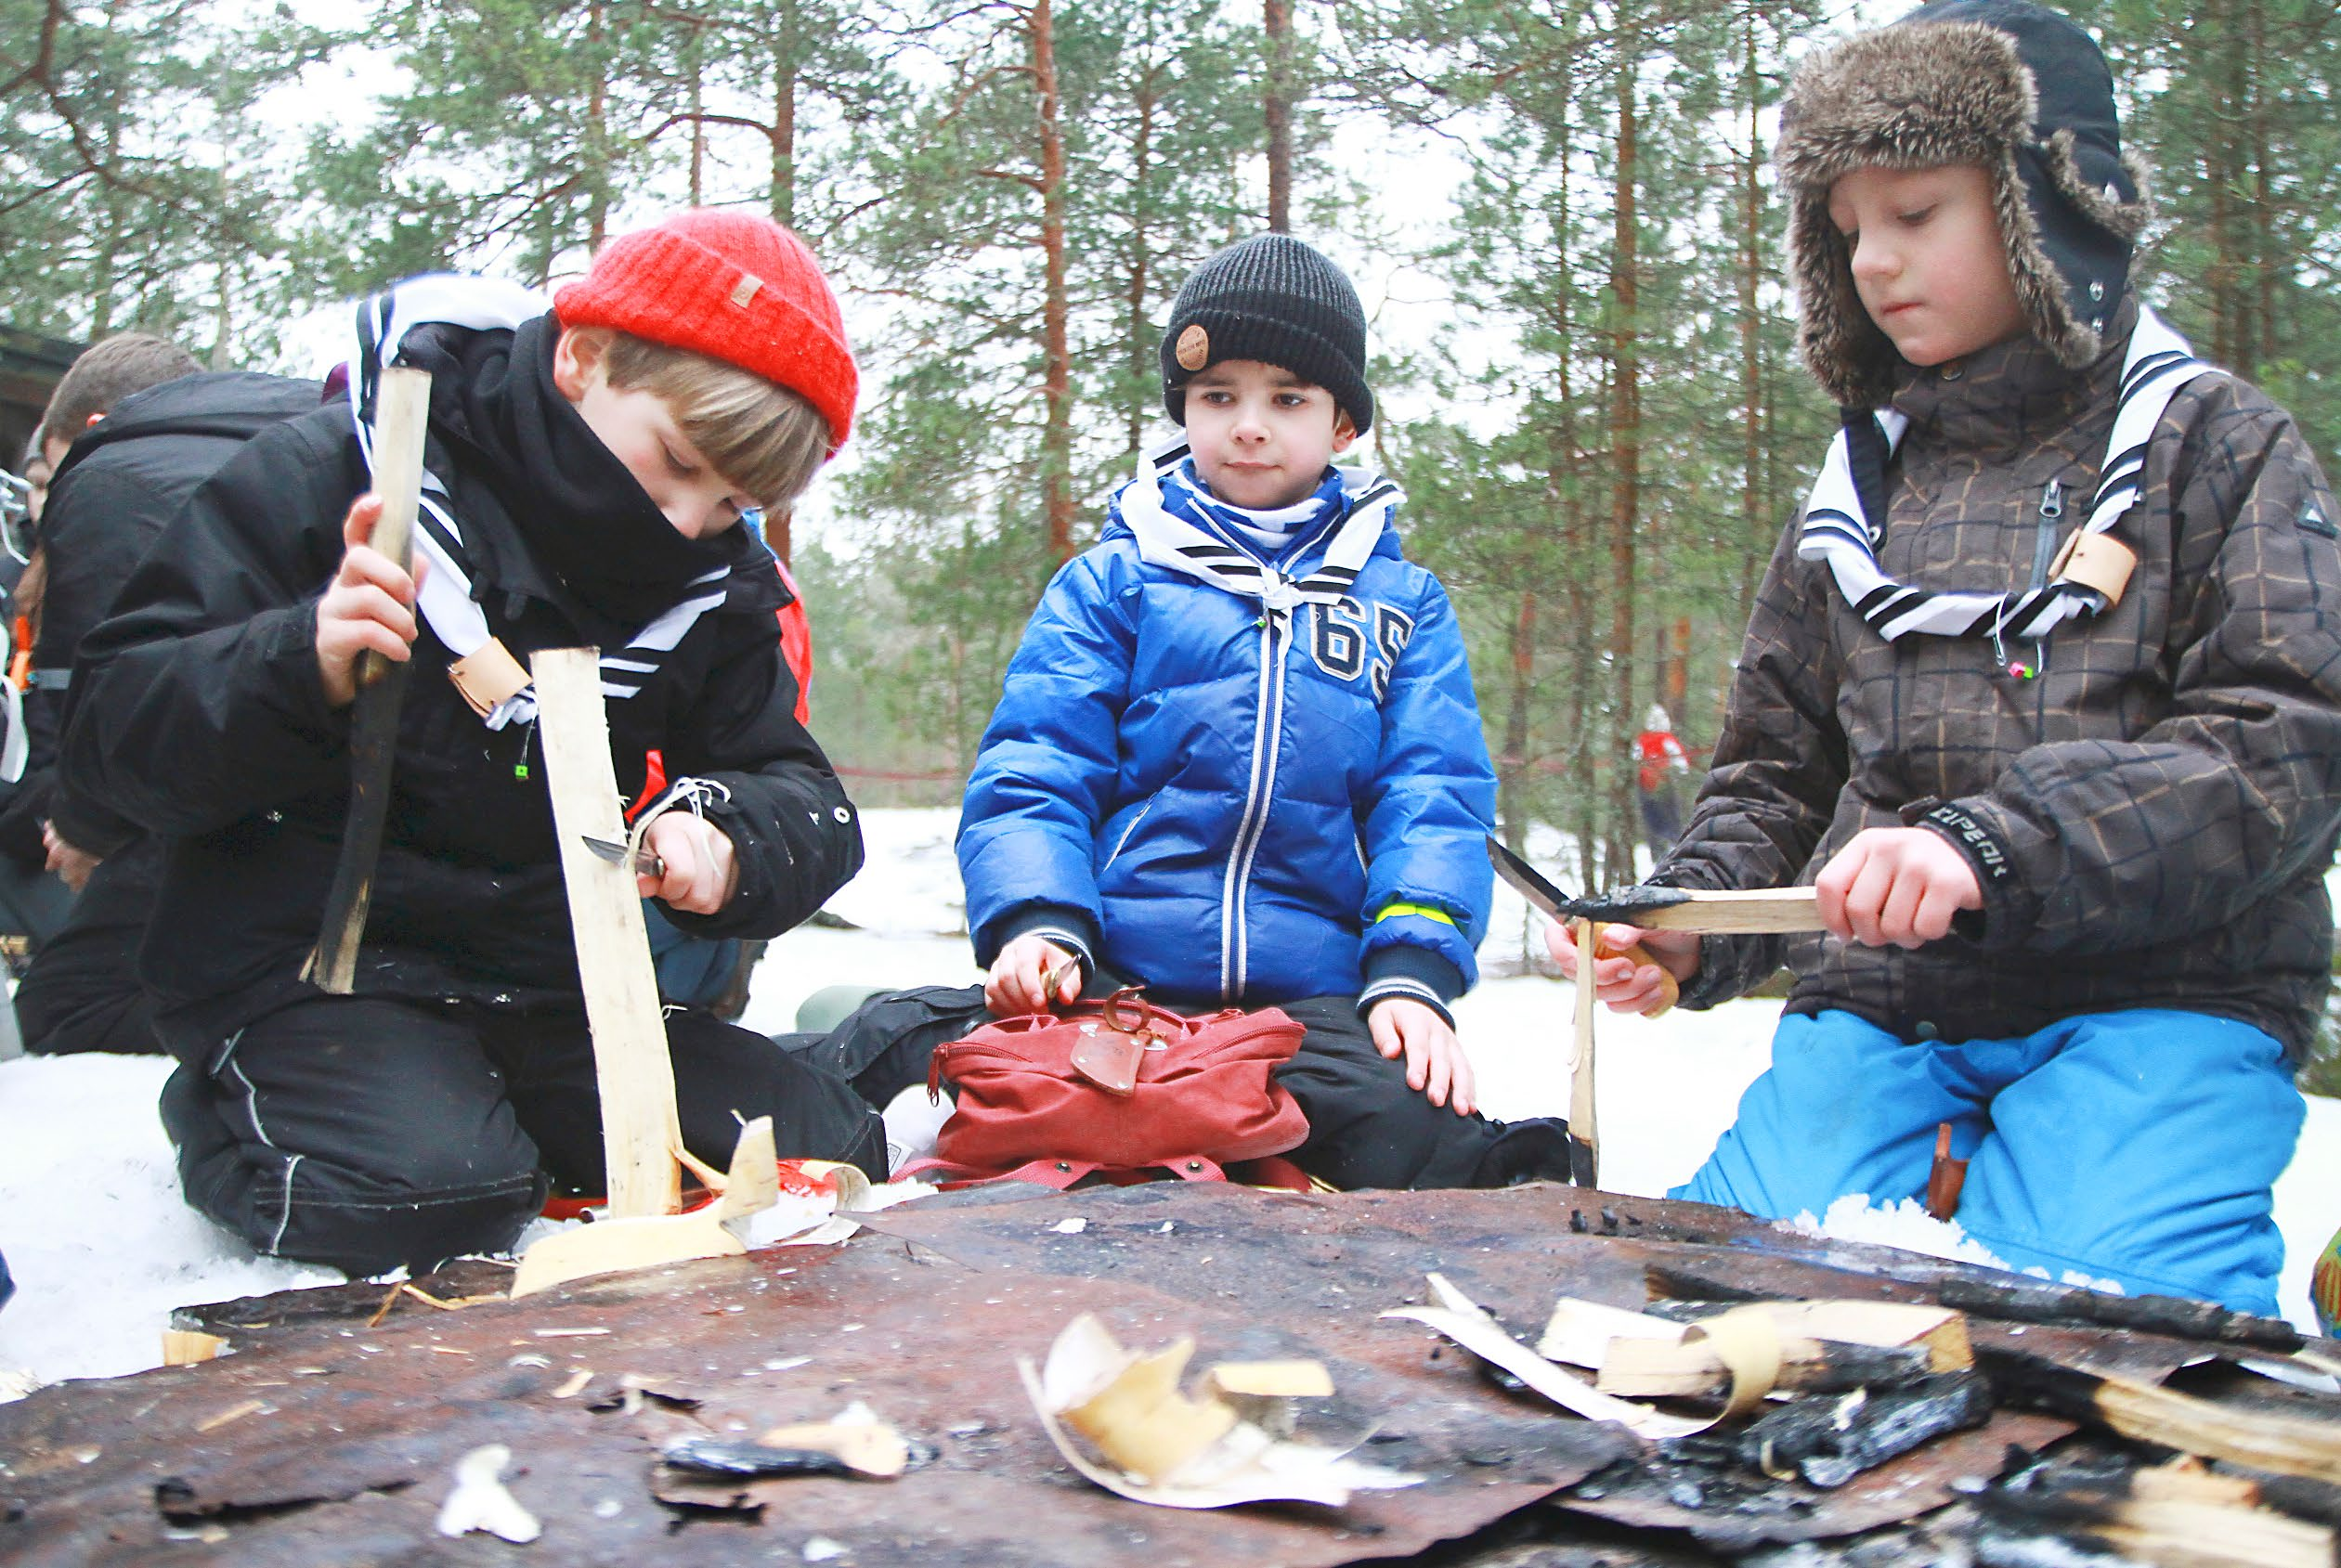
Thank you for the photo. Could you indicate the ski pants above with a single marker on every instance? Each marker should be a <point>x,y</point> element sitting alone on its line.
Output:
<point>1365,1127</point>
<point>366,1133</point>
<point>2140,1146</point>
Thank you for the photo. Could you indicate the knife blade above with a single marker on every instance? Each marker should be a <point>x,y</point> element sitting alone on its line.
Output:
<point>610,849</point>
<point>1531,885</point>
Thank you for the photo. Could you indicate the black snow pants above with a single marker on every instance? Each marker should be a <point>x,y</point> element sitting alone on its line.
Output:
<point>365,1133</point>
<point>81,992</point>
<point>1365,1127</point>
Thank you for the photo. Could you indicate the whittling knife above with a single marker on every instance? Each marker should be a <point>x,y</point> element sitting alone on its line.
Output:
<point>610,849</point>
<point>1530,884</point>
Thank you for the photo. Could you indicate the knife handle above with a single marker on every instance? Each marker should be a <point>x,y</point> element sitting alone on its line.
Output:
<point>1670,990</point>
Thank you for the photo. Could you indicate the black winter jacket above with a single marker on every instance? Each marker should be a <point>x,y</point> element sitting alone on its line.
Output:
<point>119,485</point>
<point>199,715</point>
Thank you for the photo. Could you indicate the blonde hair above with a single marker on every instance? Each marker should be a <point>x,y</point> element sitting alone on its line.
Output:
<point>764,437</point>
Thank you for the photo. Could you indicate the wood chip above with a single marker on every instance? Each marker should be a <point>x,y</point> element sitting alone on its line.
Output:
<point>233,1413</point>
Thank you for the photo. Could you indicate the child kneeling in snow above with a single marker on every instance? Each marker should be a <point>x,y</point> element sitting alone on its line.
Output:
<point>588,467</point>
<point>2070,820</point>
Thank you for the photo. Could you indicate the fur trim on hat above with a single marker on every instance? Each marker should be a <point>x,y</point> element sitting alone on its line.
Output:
<point>1919,96</point>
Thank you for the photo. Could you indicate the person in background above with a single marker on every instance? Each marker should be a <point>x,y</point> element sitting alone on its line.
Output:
<point>1658,757</point>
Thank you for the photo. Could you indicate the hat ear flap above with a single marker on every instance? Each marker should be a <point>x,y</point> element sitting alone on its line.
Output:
<point>2102,205</point>
<point>1842,348</point>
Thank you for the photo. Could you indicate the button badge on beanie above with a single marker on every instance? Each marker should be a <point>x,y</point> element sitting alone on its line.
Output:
<point>1194,348</point>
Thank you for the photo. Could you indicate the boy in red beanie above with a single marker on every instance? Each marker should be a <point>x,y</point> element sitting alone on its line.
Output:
<point>586,471</point>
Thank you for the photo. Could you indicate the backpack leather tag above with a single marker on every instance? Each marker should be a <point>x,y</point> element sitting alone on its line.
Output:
<point>1110,1058</point>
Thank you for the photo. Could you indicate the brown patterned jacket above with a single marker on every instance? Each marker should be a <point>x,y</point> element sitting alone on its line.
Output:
<point>2151,818</point>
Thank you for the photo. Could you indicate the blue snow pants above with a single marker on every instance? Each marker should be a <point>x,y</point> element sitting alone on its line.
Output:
<point>2140,1146</point>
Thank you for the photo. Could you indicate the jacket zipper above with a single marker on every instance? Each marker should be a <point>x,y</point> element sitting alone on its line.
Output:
<point>2043,547</point>
<point>2044,551</point>
<point>1266,728</point>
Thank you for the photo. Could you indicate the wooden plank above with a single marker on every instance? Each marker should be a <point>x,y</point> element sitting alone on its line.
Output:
<point>640,1128</point>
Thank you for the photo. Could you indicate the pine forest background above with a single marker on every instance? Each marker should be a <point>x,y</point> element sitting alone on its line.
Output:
<point>1562,216</point>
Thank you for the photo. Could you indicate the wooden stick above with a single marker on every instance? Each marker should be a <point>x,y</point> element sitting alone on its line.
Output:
<point>1584,1134</point>
<point>1735,911</point>
<point>640,1127</point>
<point>403,406</point>
<point>2281,1444</point>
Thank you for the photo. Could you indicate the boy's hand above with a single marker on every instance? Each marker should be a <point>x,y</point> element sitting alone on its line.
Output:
<point>1018,980</point>
<point>1895,884</point>
<point>369,605</point>
<point>71,863</point>
<point>1623,985</point>
<point>1435,1060</point>
<point>702,871</point>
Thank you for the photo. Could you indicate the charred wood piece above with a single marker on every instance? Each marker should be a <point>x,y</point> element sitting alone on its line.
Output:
<point>2178,1513</point>
<point>2145,1413</point>
<point>1830,1442</point>
<point>2176,1316</point>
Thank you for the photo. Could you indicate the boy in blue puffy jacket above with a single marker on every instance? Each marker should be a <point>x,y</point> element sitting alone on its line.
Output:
<point>1238,758</point>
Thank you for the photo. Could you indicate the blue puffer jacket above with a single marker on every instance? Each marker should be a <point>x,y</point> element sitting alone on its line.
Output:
<point>1234,780</point>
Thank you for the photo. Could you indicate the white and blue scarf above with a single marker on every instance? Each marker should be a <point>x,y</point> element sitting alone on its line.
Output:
<point>1180,525</point>
<point>1839,528</point>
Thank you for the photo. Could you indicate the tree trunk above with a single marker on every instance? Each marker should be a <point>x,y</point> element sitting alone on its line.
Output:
<point>2264,243</point>
<point>1142,361</point>
<point>1752,509</point>
<point>1277,19</point>
<point>698,126</point>
<point>1057,433</point>
<point>597,171</point>
<point>1512,765</point>
<point>1625,435</point>
<point>784,134</point>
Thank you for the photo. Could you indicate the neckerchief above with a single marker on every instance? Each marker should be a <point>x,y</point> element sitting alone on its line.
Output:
<point>1844,518</point>
<point>1179,525</point>
<point>1274,530</point>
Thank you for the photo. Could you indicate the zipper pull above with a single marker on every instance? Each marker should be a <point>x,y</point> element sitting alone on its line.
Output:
<point>2052,501</point>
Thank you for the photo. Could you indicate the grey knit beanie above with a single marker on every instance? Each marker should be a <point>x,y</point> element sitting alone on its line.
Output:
<point>1271,299</point>
<point>2010,86</point>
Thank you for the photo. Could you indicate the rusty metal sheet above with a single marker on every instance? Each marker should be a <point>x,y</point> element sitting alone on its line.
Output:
<point>324,1440</point>
<point>339,1440</point>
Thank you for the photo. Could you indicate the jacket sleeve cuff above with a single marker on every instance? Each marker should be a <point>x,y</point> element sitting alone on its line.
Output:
<point>2008,906</point>
<point>1068,926</point>
<point>1416,973</point>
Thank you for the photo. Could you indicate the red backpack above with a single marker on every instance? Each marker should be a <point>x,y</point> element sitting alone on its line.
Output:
<point>1119,1088</point>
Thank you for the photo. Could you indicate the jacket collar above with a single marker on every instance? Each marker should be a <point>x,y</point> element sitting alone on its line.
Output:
<point>2012,394</point>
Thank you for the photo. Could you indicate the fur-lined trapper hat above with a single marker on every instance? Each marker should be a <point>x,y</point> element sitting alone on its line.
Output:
<point>2016,89</point>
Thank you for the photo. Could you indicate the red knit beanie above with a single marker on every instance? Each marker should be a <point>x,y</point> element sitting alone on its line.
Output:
<point>733,287</point>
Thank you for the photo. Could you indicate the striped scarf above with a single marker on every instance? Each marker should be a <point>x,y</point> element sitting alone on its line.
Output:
<point>455,619</point>
<point>1844,518</point>
<point>1180,526</point>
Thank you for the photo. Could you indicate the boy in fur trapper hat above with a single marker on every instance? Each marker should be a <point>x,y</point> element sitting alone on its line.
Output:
<point>589,459</point>
<point>2042,692</point>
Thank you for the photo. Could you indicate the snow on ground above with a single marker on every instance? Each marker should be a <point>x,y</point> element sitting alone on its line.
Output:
<point>102,1249</point>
